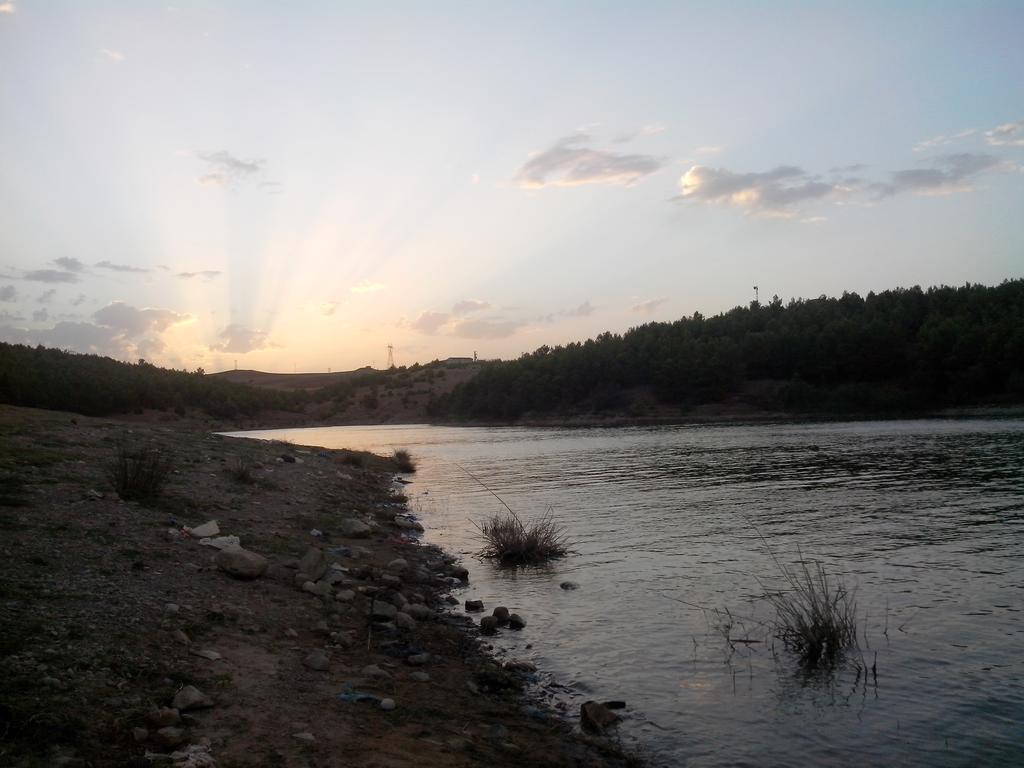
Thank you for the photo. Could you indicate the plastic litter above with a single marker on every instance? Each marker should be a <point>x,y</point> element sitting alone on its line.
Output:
<point>351,696</point>
<point>316,533</point>
<point>203,531</point>
<point>222,542</point>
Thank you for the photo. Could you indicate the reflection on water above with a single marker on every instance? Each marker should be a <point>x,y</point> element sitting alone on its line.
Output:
<point>925,518</point>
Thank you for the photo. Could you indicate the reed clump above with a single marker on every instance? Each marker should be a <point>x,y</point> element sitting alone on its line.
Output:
<point>138,473</point>
<point>514,542</point>
<point>403,460</point>
<point>816,615</point>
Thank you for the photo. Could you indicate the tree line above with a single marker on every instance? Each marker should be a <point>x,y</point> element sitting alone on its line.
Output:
<point>899,351</point>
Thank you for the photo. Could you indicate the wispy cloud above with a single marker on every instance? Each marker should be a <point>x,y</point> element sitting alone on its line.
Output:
<point>1006,135</point>
<point>482,328</point>
<point>941,141</point>
<point>41,315</point>
<point>206,275</point>
<point>132,321</point>
<point>120,267</point>
<point>466,306</point>
<point>69,264</point>
<point>647,130</point>
<point>328,308</point>
<point>570,162</point>
<point>366,286</point>
<point>948,174</point>
<point>771,192</point>
<point>7,7</point>
<point>8,293</point>
<point>224,169</point>
<point>240,339</point>
<point>583,310</point>
<point>430,322</point>
<point>710,149</point>
<point>50,276</point>
<point>46,296</point>
<point>112,54</point>
<point>647,307</point>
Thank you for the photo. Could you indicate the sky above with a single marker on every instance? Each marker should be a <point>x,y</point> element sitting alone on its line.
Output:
<point>296,186</point>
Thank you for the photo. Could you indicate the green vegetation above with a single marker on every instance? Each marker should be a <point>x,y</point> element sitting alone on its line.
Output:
<point>138,473</point>
<point>38,377</point>
<point>900,351</point>
<point>511,541</point>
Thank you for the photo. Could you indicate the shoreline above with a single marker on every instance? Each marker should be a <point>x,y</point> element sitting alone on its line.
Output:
<point>111,612</point>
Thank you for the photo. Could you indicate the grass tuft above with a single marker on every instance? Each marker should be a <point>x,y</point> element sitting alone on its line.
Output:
<point>240,470</point>
<point>816,616</point>
<point>508,539</point>
<point>403,460</point>
<point>138,473</point>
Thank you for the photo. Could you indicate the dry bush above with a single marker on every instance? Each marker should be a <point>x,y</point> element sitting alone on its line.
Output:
<point>138,473</point>
<point>241,470</point>
<point>403,460</point>
<point>508,539</point>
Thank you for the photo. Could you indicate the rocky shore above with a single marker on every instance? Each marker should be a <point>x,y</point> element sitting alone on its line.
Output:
<point>144,633</point>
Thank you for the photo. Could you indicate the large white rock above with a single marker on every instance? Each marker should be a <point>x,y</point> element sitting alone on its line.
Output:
<point>241,563</point>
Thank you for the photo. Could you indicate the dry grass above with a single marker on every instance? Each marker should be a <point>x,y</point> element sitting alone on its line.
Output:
<point>138,473</point>
<point>816,616</point>
<point>403,460</point>
<point>508,539</point>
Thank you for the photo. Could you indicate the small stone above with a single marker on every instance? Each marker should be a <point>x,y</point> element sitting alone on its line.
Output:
<point>474,606</point>
<point>170,737</point>
<point>569,585</point>
<point>140,734</point>
<point>515,621</point>
<point>345,596</point>
<point>518,665</point>
<point>417,659</point>
<point>391,580</point>
<point>460,573</point>
<point>372,670</point>
<point>405,621</point>
<point>451,599</point>
<point>501,614</point>
<point>241,563</point>
<point>208,655</point>
<point>398,565</point>
<point>205,530</point>
<point>313,563</point>
<point>181,637</point>
<point>488,625</point>
<point>171,609</point>
<point>290,633</point>
<point>382,611</point>
<point>419,612</point>
<point>595,716</point>
<point>191,697</point>
<point>353,529</point>
<point>317,660</point>
<point>305,736</point>
<point>420,676</point>
<point>163,716</point>
<point>387,704</point>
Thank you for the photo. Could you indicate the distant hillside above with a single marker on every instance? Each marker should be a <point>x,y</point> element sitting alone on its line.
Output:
<point>902,351</point>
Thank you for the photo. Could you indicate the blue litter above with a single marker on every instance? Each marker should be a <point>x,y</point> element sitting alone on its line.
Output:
<point>350,696</point>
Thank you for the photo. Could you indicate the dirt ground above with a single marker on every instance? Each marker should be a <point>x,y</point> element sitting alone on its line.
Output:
<point>109,612</point>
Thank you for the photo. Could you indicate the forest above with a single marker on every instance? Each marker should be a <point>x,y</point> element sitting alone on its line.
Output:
<point>900,351</point>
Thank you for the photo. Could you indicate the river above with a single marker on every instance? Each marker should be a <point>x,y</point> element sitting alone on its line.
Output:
<point>677,533</point>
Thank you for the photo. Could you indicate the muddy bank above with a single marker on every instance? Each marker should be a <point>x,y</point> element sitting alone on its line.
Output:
<point>124,639</point>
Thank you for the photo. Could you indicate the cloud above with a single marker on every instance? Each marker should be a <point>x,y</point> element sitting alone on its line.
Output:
<point>367,287</point>
<point>225,169</point>
<point>951,173</point>
<point>770,192</point>
<point>568,163</point>
<point>583,310</point>
<point>710,149</point>
<point>112,55</point>
<point>647,307</point>
<point>940,141</point>
<point>46,296</point>
<point>240,339</point>
<point>7,7</point>
<point>647,130</point>
<point>466,306</point>
<point>328,308</point>
<point>51,276</point>
<point>206,275</point>
<point>480,328</point>
<point>8,293</point>
<point>78,300</point>
<point>131,322</point>
<point>120,267</point>
<point>69,264</point>
<point>41,315</point>
<point>1006,135</point>
<point>430,322</point>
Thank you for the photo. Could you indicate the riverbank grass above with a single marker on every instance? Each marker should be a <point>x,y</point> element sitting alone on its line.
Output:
<point>816,615</point>
<point>510,540</point>
<point>403,460</point>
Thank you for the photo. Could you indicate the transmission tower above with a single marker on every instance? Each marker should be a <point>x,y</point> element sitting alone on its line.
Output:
<point>756,296</point>
<point>391,356</point>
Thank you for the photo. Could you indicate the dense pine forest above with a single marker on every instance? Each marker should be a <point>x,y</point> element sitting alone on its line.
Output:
<point>899,351</point>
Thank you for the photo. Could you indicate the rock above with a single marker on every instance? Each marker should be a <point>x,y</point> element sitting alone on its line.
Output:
<point>290,633</point>
<point>382,611</point>
<point>420,676</point>
<point>320,588</point>
<point>372,670</point>
<point>205,530</point>
<point>417,659</point>
<point>170,737</point>
<point>518,665</point>
<point>407,525</point>
<point>488,625</point>
<point>208,655</point>
<point>171,609</point>
<point>474,606</point>
<point>398,565</point>
<point>314,563</point>
<point>419,612</point>
<point>615,704</point>
<point>501,614</point>
<point>287,459</point>
<point>451,599</point>
<point>163,716</point>
<point>460,573</point>
<point>305,736</point>
<point>241,563</point>
<point>387,704</point>
<point>391,580</point>
<point>405,621</point>
<point>191,697</point>
<point>181,637</point>
<point>595,716</point>
<point>515,621</point>
<point>317,660</point>
<point>345,596</point>
<point>353,529</point>
<point>140,734</point>
<point>569,585</point>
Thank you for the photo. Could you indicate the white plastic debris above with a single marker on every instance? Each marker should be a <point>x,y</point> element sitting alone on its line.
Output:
<point>204,531</point>
<point>222,542</point>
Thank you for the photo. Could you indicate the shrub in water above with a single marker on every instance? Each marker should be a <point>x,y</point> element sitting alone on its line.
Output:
<point>403,460</point>
<point>138,473</point>
<point>508,539</point>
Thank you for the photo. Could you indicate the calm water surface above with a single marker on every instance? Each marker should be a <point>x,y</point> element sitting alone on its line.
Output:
<point>924,518</point>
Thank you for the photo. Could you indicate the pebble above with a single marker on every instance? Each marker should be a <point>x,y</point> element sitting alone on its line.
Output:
<point>241,563</point>
<point>140,734</point>
<point>191,697</point>
<point>515,621</point>
<point>372,670</point>
<point>417,659</point>
<point>171,609</point>
<point>387,704</point>
<point>345,596</point>
<point>420,676</point>
<point>170,736</point>
<point>488,625</point>
<point>317,660</point>
<point>290,633</point>
<point>398,565</point>
<point>405,621</point>
<point>474,606</point>
<point>305,736</point>
<point>501,613</point>
<point>163,716</point>
<point>181,637</point>
<point>569,585</point>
